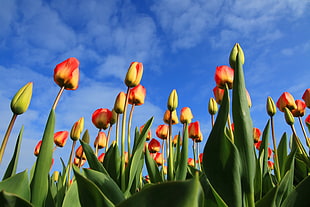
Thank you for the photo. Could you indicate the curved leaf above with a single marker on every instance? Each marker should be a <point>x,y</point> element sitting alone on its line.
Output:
<point>71,197</point>
<point>182,165</point>
<point>152,168</point>
<point>112,162</point>
<point>12,200</point>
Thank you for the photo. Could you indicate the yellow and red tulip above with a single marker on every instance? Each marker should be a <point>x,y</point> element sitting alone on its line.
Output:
<point>194,130</point>
<point>218,94</point>
<point>286,100</point>
<point>101,157</point>
<point>174,117</point>
<point>134,74</point>
<point>119,104</point>
<point>79,153</point>
<point>186,115</point>
<point>77,129</point>
<point>37,148</point>
<point>154,146</point>
<point>162,131</point>
<point>101,140</point>
<point>101,118</point>
<point>300,110</point>
<point>256,133</point>
<point>306,97</point>
<point>67,74</point>
<point>137,95</point>
<point>224,75</point>
<point>60,138</point>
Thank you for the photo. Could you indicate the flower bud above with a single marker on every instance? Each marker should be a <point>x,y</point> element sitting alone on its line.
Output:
<point>79,153</point>
<point>218,94</point>
<point>233,55</point>
<point>134,74</point>
<point>77,129</point>
<point>186,115</point>
<point>300,110</point>
<point>271,107</point>
<point>137,95</point>
<point>286,100</point>
<point>149,133</point>
<point>154,146</point>
<point>21,100</point>
<point>194,130</point>
<point>101,157</point>
<point>158,157</point>
<point>289,118</point>
<point>37,148</point>
<point>101,118</point>
<point>173,100</point>
<point>162,131</point>
<point>224,75</point>
<point>174,117</point>
<point>101,140</point>
<point>119,104</point>
<point>60,138</point>
<point>55,176</point>
<point>306,97</point>
<point>256,134</point>
<point>212,106</point>
<point>67,74</point>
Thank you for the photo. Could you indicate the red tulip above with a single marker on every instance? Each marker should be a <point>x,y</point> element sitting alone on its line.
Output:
<point>149,133</point>
<point>270,164</point>
<point>190,162</point>
<point>286,100</point>
<point>137,95</point>
<point>224,75</point>
<point>101,157</point>
<point>60,138</point>
<point>256,133</point>
<point>162,131</point>
<point>101,118</point>
<point>218,94</point>
<point>66,74</point>
<point>101,140</point>
<point>154,146</point>
<point>37,148</point>
<point>306,97</point>
<point>300,110</point>
<point>194,130</point>
<point>307,120</point>
<point>158,157</point>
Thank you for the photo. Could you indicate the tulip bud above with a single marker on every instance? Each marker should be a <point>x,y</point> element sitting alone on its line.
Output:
<point>191,162</point>
<point>79,153</point>
<point>77,129</point>
<point>173,100</point>
<point>119,104</point>
<point>270,165</point>
<point>154,146</point>
<point>134,74</point>
<point>137,95</point>
<point>271,107</point>
<point>174,117</point>
<point>113,118</point>
<point>233,55</point>
<point>300,110</point>
<point>306,97</point>
<point>162,131</point>
<point>289,118</point>
<point>85,137</point>
<point>60,138</point>
<point>101,140</point>
<point>149,133</point>
<point>218,94</point>
<point>55,176</point>
<point>186,115</point>
<point>101,157</point>
<point>21,100</point>
<point>224,75</point>
<point>101,118</point>
<point>37,148</point>
<point>256,134</point>
<point>212,106</point>
<point>194,130</point>
<point>286,100</point>
<point>67,74</point>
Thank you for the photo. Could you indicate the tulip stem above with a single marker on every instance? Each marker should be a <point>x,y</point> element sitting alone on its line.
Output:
<point>58,97</point>
<point>6,136</point>
<point>108,138</point>
<point>117,129</point>
<point>70,162</point>
<point>162,157</point>
<point>276,159</point>
<point>129,127</point>
<point>297,140</point>
<point>212,120</point>
<point>304,131</point>
<point>170,152</point>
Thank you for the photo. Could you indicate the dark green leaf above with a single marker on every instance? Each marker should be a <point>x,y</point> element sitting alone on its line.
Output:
<point>112,162</point>
<point>152,168</point>
<point>12,200</point>
<point>72,196</point>
<point>182,165</point>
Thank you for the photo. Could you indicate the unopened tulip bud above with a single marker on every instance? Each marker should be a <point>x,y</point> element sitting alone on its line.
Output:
<point>86,137</point>
<point>77,129</point>
<point>21,100</point>
<point>60,138</point>
<point>186,115</point>
<point>37,148</point>
<point>271,107</point>
<point>233,55</point>
<point>113,118</point>
<point>173,100</point>
<point>306,97</point>
<point>289,118</point>
<point>119,104</point>
<point>67,74</point>
<point>134,74</point>
<point>101,140</point>
<point>174,117</point>
<point>212,106</point>
<point>55,176</point>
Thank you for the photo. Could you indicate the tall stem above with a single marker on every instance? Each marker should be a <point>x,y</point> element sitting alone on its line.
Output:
<point>129,127</point>
<point>108,138</point>
<point>117,129</point>
<point>6,136</point>
<point>299,145</point>
<point>58,97</point>
<point>170,151</point>
<point>212,120</point>
<point>194,153</point>
<point>70,161</point>
<point>304,131</point>
<point>276,159</point>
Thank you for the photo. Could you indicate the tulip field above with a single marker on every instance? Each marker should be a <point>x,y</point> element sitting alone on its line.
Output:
<point>240,165</point>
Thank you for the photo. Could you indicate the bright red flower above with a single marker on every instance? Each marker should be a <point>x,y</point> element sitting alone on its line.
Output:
<point>101,118</point>
<point>256,133</point>
<point>270,164</point>
<point>306,97</point>
<point>60,138</point>
<point>67,74</point>
<point>300,110</point>
<point>224,75</point>
<point>194,130</point>
<point>101,157</point>
<point>158,157</point>
<point>37,148</point>
<point>154,146</point>
<point>137,95</point>
<point>190,162</point>
<point>162,131</point>
<point>286,100</point>
<point>218,94</point>
<point>307,120</point>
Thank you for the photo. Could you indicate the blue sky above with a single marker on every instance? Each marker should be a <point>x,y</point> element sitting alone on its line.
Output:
<point>179,42</point>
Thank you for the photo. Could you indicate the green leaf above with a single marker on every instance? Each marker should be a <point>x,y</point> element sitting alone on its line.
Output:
<point>89,193</point>
<point>12,200</point>
<point>263,151</point>
<point>182,165</point>
<point>282,154</point>
<point>39,183</point>
<point>17,184</point>
<point>243,131</point>
<point>112,162</point>
<point>174,193</point>
<point>72,196</point>
<point>107,186</point>
<point>11,169</point>
<point>152,168</point>
<point>221,161</point>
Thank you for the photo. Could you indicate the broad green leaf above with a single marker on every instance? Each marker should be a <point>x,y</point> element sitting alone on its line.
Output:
<point>173,193</point>
<point>17,184</point>
<point>12,200</point>
<point>285,186</point>
<point>72,196</point>
<point>243,131</point>
<point>89,193</point>
<point>152,168</point>
<point>11,169</point>
<point>263,151</point>
<point>39,183</point>
<point>107,185</point>
<point>221,161</point>
<point>282,154</point>
<point>182,165</point>
<point>268,199</point>
<point>112,162</point>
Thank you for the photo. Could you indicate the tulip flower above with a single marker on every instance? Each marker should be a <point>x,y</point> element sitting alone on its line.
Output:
<point>286,100</point>
<point>200,158</point>
<point>101,140</point>
<point>300,110</point>
<point>306,97</point>
<point>218,94</point>
<point>175,140</point>
<point>101,157</point>
<point>21,100</point>
<point>77,129</point>
<point>162,131</point>
<point>37,148</point>
<point>101,118</point>
<point>270,165</point>
<point>60,138</point>
<point>56,176</point>
<point>186,115</point>
<point>79,162</point>
<point>289,118</point>
<point>134,74</point>
<point>66,74</point>
<point>149,133</point>
<point>158,157</point>
<point>119,104</point>
<point>172,100</point>
<point>194,130</point>
<point>79,153</point>
<point>137,95</point>
<point>271,107</point>
<point>224,75</point>
<point>191,162</point>
<point>174,117</point>
<point>154,146</point>
<point>256,134</point>
<point>233,55</point>
<point>307,121</point>
<point>212,105</point>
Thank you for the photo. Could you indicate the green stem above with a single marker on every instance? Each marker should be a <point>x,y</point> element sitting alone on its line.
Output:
<point>70,162</point>
<point>304,131</point>
<point>276,159</point>
<point>117,129</point>
<point>129,127</point>
<point>299,145</point>
<point>194,153</point>
<point>170,151</point>
<point>58,97</point>
<point>108,138</point>
<point>6,136</point>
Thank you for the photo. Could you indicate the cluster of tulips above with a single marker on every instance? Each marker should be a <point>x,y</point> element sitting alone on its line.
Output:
<point>236,168</point>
